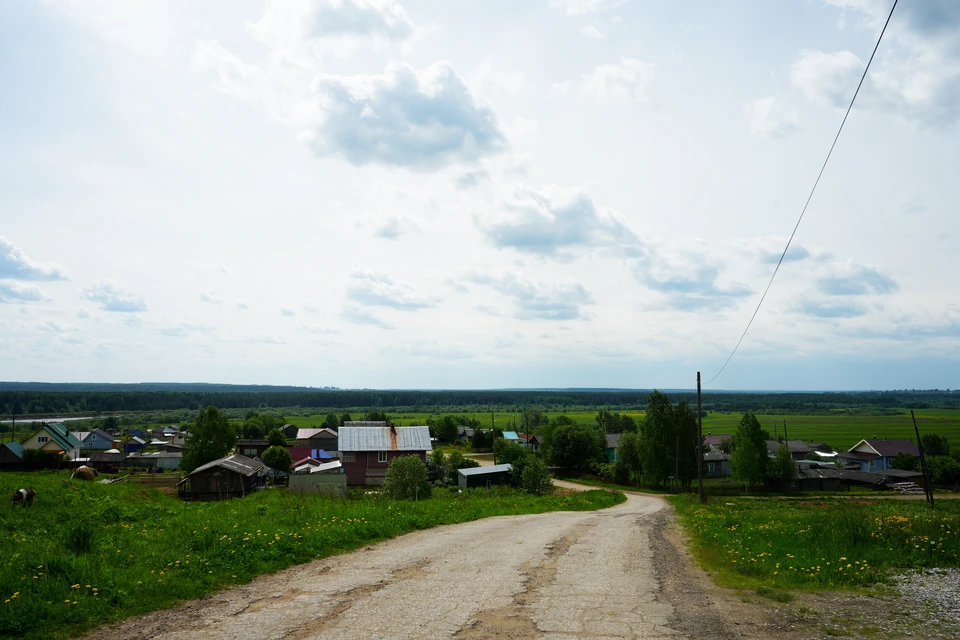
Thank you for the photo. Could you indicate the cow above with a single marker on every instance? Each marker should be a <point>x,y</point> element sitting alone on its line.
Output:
<point>24,497</point>
<point>84,473</point>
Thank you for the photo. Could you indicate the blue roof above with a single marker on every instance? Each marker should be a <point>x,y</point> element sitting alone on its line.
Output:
<point>479,471</point>
<point>15,447</point>
<point>510,435</point>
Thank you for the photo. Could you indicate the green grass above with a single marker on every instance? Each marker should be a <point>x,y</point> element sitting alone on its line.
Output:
<point>818,544</point>
<point>87,554</point>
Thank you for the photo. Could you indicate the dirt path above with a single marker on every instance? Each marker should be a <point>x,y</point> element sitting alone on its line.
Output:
<point>607,574</point>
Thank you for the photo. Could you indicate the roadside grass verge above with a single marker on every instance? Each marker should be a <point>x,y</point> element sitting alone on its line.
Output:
<point>813,544</point>
<point>600,484</point>
<point>87,553</point>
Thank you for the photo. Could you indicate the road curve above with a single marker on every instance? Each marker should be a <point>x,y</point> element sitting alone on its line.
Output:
<point>556,575</point>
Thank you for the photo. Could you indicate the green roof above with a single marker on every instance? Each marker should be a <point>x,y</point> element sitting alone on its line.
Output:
<point>62,436</point>
<point>15,447</point>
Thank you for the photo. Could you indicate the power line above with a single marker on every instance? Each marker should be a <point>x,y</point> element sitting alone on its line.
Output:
<point>809,197</point>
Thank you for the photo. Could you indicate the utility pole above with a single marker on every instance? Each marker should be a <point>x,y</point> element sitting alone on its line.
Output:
<point>703,497</point>
<point>928,489</point>
<point>785,436</point>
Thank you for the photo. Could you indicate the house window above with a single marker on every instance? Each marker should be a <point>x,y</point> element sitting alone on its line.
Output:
<point>710,467</point>
<point>43,439</point>
<point>250,452</point>
<point>349,457</point>
<point>381,456</point>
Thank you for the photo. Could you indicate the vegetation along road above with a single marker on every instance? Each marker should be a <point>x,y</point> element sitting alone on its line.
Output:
<point>558,575</point>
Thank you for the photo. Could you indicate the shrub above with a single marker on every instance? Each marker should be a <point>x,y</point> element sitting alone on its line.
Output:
<point>278,459</point>
<point>536,478</point>
<point>407,479</point>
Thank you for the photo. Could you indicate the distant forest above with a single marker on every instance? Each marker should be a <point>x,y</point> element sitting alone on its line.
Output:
<point>39,398</point>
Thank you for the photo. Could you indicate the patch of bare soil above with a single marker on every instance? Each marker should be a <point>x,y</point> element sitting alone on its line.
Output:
<point>705,610</point>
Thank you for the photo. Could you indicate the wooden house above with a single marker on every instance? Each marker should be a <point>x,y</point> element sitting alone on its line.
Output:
<point>252,448</point>
<point>877,455</point>
<point>55,437</point>
<point>367,451</point>
<point>231,477</point>
<point>315,439</point>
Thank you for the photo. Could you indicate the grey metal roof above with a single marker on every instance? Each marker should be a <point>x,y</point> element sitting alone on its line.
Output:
<point>365,423</point>
<point>235,462</point>
<point>479,471</point>
<point>714,454</point>
<point>384,439</point>
<point>306,434</point>
<point>613,440</point>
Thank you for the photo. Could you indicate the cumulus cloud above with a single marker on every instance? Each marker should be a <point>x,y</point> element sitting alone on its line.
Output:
<point>687,280</point>
<point>471,179</point>
<point>16,292</point>
<point>377,289</point>
<point>355,315</point>
<point>627,80</point>
<point>54,326</point>
<point>403,117</point>
<point>768,118</point>
<point>111,298</point>
<point>15,265</point>
<point>916,74</point>
<point>230,75</point>
<point>184,329</point>
<point>394,227</point>
<point>83,312</point>
<point>210,298</point>
<point>852,279</point>
<point>581,7</point>
<point>831,309</point>
<point>298,30</point>
<point>592,32</point>
<point>533,300</point>
<point>554,220</point>
<point>287,313</point>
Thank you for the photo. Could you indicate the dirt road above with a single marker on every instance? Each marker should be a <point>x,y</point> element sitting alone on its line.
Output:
<point>605,574</point>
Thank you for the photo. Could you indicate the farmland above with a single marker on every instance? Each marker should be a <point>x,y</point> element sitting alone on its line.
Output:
<point>91,553</point>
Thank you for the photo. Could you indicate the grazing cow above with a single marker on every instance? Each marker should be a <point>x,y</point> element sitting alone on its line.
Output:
<point>24,497</point>
<point>84,473</point>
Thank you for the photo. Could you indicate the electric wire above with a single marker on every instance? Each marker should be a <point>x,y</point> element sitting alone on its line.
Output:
<point>809,197</point>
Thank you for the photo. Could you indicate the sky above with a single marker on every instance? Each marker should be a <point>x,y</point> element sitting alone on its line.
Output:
<point>479,193</point>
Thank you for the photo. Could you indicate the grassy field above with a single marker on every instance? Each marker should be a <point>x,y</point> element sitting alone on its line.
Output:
<point>86,554</point>
<point>764,543</point>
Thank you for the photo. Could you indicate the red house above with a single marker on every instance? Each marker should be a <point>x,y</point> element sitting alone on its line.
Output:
<point>367,451</point>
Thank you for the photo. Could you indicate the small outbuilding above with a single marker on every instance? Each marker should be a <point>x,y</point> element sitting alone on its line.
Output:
<point>327,478</point>
<point>11,453</point>
<point>231,477</point>
<point>484,476</point>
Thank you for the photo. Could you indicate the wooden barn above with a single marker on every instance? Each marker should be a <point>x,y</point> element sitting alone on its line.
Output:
<point>232,477</point>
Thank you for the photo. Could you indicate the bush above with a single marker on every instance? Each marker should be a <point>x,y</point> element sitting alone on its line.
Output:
<point>407,479</point>
<point>536,478</point>
<point>278,459</point>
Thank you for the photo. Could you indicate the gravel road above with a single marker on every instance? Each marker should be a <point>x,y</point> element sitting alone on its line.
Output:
<point>555,575</point>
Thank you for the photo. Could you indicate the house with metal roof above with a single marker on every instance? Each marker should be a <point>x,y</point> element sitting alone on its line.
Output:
<point>97,439</point>
<point>55,437</point>
<point>484,476</point>
<point>366,451</point>
<point>877,454</point>
<point>231,477</point>
<point>322,438</point>
<point>716,463</point>
<point>798,448</point>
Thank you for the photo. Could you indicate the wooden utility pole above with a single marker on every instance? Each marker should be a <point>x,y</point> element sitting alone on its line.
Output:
<point>703,497</point>
<point>928,488</point>
<point>785,436</point>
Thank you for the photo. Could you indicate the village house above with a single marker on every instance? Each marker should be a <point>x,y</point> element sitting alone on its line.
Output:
<point>798,448</point>
<point>167,431</point>
<point>55,437</point>
<point>877,454</point>
<point>252,448</point>
<point>610,449</point>
<point>231,477</point>
<point>289,430</point>
<point>315,440</point>
<point>367,451</point>
<point>134,444</point>
<point>530,441</point>
<point>716,463</point>
<point>98,439</point>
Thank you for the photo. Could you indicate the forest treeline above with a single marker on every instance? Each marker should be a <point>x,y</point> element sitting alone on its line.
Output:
<point>39,399</point>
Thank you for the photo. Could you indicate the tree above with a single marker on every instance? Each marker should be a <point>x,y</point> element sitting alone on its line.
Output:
<point>446,429</point>
<point>331,422</point>
<point>628,455</point>
<point>344,417</point>
<point>688,451</point>
<point>535,478</point>
<point>479,440</point>
<point>277,458</point>
<point>532,419</point>
<point>782,468</point>
<point>211,438</point>
<point>377,416</point>
<point>905,461</point>
<point>407,479</point>
<point>276,438</point>
<point>455,462</point>
<point>615,423</point>
<point>252,428</point>
<point>575,447</point>
<point>943,470</point>
<point>935,445</point>
<point>658,439</point>
<point>748,462</point>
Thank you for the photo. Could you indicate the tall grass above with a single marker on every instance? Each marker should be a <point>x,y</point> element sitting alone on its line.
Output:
<point>819,544</point>
<point>86,554</point>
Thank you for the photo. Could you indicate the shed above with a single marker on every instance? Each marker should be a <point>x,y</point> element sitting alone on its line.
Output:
<point>231,477</point>
<point>107,461</point>
<point>157,460</point>
<point>484,476</point>
<point>327,479</point>
<point>289,430</point>
<point>611,444</point>
<point>11,453</point>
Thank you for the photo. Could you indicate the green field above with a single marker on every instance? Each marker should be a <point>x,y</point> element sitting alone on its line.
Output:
<point>88,553</point>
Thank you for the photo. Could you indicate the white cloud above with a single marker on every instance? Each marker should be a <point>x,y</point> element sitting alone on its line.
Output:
<point>688,277</point>
<point>374,288</point>
<point>554,220</point>
<point>300,30</point>
<point>592,32</point>
<point>769,118</point>
<point>82,312</point>
<point>15,265</point>
<point>356,315</point>
<point>111,298</point>
<point>17,292</point>
<point>231,76</point>
<point>534,300</point>
<point>210,298</point>
<point>402,117</point>
<point>288,313</point>
<point>627,80</point>
<point>580,7</point>
<point>488,79</point>
<point>184,329</point>
<point>826,78</point>
<point>394,227</point>
<point>852,279</point>
<point>242,305</point>
<point>53,326</point>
